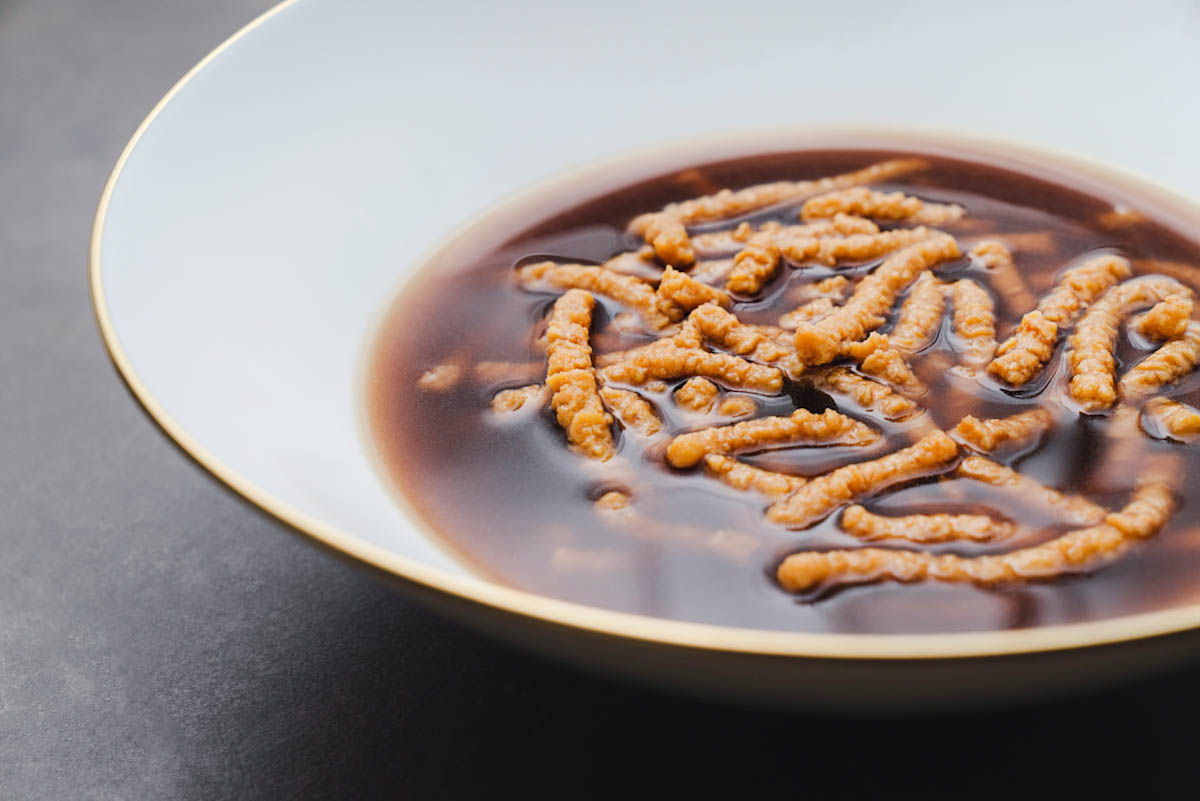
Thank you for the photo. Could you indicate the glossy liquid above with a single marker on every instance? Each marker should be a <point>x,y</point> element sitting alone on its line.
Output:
<point>510,497</point>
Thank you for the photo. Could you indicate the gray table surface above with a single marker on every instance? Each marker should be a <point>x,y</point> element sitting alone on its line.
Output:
<point>158,639</point>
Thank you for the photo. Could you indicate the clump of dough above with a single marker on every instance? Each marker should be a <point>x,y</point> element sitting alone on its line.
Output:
<point>697,394</point>
<point>441,377</point>
<point>737,406</point>
<point>668,236</point>
<point>612,501</point>
<point>510,400</point>
<point>1167,319</point>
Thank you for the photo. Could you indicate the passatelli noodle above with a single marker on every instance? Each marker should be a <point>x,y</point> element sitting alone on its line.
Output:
<point>724,243</point>
<point>1027,242</point>
<point>820,342</point>
<point>726,331</point>
<point>1169,363</point>
<point>679,293</point>
<point>569,376</point>
<point>802,427</point>
<point>697,394</point>
<point>857,521</point>
<point>632,410</point>
<point>617,508</point>
<point>1075,551</point>
<point>904,433</point>
<point>510,400</point>
<point>737,406</point>
<point>974,321</point>
<point>920,315</point>
<point>1167,319</point>
<point>864,202</point>
<point>1072,509</point>
<point>666,230</point>
<point>1120,217</point>
<point>810,312</point>
<point>1181,271</point>
<point>1003,275</point>
<point>665,361</point>
<point>441,377</point>
<point>1173,419</point>
<point>1127,442</point>
<point>624,289</point>
<point>742,476</point>
<point>613,501</point>
<point>1093,365</point>
<point>869,394</point>
<point>753,266</point>
<point>831,250</point>
<point>1081,285</point>
<point>493,372</point>
<point>1023,355</point>
<point>984,436</point>
<point>821,495</point>
<point>711,271</point>
<point>877,358</point>
<point>835,287</point>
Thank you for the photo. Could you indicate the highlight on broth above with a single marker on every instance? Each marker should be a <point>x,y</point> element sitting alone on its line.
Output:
<point>853,370</point>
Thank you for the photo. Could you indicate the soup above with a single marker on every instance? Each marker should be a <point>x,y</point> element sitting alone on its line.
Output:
<point>861,391</point>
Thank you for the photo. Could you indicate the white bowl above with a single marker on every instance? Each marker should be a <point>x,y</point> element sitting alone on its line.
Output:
<point>264,216</point>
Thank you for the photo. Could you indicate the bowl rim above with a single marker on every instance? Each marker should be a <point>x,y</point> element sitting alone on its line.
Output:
<point>594,620</point>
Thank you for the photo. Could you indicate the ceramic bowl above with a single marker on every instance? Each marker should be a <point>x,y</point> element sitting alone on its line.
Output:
<point>271,207</point>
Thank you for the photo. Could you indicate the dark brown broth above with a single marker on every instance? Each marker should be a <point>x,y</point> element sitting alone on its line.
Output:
<point>513,501</point>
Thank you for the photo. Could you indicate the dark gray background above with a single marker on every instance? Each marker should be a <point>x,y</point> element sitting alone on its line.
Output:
<point>158,639</point>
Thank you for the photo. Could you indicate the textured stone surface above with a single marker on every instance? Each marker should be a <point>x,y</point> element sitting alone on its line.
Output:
<point>158,639</point>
